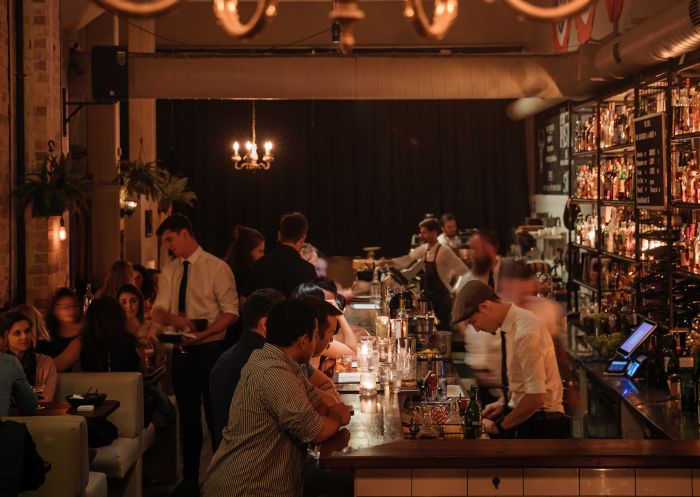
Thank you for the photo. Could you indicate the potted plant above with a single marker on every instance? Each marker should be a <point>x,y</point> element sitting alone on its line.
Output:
<point>57,187</point>
<point>140,178</point>
<point>174,190</point>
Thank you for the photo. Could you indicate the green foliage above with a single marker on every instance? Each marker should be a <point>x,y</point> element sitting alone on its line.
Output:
<point>57,187</point>
<point>174,190</point>
<point>155,183</point>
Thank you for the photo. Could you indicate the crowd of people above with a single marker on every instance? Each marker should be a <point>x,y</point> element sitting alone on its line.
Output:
<point>257,332</point>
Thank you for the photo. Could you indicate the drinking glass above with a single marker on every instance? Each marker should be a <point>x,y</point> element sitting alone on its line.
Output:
<point>406,357</point>
<point>395,380</point>
<point>381,326</point>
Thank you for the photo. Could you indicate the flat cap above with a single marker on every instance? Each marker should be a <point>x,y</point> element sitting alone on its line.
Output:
<point>469,298</point>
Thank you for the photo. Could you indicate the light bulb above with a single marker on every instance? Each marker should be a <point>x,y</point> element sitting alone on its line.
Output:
<point>62,235</point>
<point>248,146</point>
<point>236,146</point>
<point>268,147</point>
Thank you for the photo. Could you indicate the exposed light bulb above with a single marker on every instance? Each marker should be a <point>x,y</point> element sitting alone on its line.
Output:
<point>62,235</point>
<point>268,147</point>
<point>236,146</point>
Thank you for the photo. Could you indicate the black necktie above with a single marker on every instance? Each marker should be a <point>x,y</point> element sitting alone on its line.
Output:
<point>504,367</point>
<point>182,294</point>
<point>491,282</point>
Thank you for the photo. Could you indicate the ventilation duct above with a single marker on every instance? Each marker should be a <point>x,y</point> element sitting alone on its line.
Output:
<point>670,33</point>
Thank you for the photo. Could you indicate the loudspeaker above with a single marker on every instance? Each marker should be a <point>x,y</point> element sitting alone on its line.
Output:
<point>110,73</point>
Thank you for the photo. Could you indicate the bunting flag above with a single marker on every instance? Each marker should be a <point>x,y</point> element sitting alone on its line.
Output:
<point>561,31</point>
<point>614,9</point>
<point>584,24</point>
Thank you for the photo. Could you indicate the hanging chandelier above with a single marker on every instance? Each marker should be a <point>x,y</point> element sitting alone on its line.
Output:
<point>346,13</point>
<point>250,160</point>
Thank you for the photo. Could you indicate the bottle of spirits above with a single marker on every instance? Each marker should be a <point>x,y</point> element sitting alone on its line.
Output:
<point>472,415</point>
<point>87,298</point>
<point>375,287</point>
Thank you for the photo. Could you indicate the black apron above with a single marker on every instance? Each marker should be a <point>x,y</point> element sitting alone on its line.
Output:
<point>435,291</point>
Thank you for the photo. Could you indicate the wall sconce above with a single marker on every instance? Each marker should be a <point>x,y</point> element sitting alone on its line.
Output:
<point>62,235</point>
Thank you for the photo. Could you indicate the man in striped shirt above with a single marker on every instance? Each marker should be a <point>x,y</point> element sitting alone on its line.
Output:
<point>275,413</point>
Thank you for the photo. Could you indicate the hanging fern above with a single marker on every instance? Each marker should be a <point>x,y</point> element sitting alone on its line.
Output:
<point>141,178</point>
<point>174,190</point>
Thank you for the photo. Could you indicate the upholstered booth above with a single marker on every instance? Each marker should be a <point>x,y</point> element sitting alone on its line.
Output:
<point>62,441</point>
<point>120,461</point>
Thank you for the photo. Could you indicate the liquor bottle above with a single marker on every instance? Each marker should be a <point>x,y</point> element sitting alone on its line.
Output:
<point>672,366</point>
<point>87,298</point>
<point>472,415</point>
<point>375,287</point>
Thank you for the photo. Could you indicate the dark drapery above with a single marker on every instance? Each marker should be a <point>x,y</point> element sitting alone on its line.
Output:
<point>364,172</point>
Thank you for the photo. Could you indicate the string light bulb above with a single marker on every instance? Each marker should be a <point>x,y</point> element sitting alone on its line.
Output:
<point>62,235</point>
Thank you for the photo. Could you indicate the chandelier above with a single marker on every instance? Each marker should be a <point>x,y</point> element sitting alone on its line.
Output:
<point>250,159</point>
<point>347,13</point>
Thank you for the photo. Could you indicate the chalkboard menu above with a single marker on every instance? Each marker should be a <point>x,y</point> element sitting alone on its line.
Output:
<point>552,154</point>
<point>649,159</point>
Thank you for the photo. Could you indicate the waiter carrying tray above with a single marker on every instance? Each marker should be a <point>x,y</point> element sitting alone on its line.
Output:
<point>196,294</point>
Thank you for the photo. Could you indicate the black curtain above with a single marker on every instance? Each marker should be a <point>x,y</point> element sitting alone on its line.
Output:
<point>364,172</point>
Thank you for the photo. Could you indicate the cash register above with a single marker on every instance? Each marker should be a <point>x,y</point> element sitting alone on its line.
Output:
<point>628,359</point>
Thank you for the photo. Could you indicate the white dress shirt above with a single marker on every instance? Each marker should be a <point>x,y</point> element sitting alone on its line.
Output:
<point>447,263</point>
<point>453,241</point>
<point>211,289</point>
<point>532,362</point>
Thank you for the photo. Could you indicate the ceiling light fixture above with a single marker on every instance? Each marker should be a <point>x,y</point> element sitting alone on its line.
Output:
<point>250,159</point>
<point>347,13</point>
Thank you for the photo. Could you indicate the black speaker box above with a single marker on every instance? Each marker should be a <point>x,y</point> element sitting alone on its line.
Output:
<point>110,73</point>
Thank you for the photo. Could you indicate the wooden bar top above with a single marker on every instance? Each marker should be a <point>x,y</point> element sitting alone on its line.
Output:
<point>374,439</point>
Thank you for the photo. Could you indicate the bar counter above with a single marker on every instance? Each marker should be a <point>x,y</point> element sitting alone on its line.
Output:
<point>375,440</point>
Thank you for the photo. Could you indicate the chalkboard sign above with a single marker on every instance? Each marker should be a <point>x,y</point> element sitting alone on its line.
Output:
<point>650,159</point>
<point>552,155</point>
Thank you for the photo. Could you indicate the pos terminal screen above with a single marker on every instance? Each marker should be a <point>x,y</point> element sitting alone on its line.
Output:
<point>636,338</point>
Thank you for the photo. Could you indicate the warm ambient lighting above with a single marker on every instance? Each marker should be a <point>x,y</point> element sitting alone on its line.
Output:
<point>346,13</point>
<point>251,160</point>
<point>62,235</point>
<point>368,383</point>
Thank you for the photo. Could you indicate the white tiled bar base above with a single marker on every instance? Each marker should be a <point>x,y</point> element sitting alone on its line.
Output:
<point>543,482</point>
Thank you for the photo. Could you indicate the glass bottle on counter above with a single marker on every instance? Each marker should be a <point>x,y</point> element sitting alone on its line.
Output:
<point>472,415</point>
<point>671,364</point>
<point>375,287</point>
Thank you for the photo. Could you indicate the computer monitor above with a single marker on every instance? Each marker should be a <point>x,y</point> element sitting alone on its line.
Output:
<point>637,337</point>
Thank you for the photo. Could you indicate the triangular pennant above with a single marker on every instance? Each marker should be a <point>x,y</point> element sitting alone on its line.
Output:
<point>614,9</point>
<point>584,24</point>
<point>561,30</point>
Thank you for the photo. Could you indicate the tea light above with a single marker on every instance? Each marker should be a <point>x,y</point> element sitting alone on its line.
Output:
<point>363,353</point>
<point>368,383</point>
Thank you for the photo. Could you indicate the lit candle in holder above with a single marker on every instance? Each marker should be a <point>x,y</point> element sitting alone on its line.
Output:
<point>364,352</point>
<point>368,383</point>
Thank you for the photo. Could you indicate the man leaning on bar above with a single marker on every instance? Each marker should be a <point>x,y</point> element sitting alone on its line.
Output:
<point>531,402</point>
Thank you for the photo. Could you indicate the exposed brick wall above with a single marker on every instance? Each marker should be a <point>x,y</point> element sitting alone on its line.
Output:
<point>46,255</point>
<point>5,166</point>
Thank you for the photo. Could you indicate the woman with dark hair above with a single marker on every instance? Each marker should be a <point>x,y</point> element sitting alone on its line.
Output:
<point>132,302</point>
<point>144,282</point>
<point>19,339</point>
<point>247,247</point>
<point>64,324</point>
<point>107,346</point>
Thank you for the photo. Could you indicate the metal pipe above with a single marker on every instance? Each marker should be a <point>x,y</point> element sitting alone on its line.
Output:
<point>21,148</point>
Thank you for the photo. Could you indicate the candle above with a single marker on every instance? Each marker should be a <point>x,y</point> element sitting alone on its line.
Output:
<point>368,383</point>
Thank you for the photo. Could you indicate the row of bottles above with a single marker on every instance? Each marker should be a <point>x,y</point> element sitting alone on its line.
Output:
<point>586,181</point>
<point>585,230</point>
<point>673,365</point>
<point>686,107</point>
<point>617,175</point>
<point>619,233</point>
<point>689,248</point>
<point>585,134</point>
<point>616,124</point>
<point>686,174</point>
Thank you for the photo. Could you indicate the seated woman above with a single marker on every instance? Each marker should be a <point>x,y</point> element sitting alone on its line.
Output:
<point>107,345</point>
<point>36,319</point>
<point>20,340</point>
<point>121,273</point>
<point>150,352</point>
<point>64,324</point>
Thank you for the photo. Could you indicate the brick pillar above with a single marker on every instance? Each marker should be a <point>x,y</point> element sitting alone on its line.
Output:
<point>46,255</point>
<point>6,148</point>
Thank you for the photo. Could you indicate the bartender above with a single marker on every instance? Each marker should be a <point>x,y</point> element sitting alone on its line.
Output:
<point>449,236</point>
<point>440,264</point>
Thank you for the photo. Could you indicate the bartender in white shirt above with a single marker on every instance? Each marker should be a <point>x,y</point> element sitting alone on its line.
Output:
<point>440,264</point>
<point>449,237</point>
